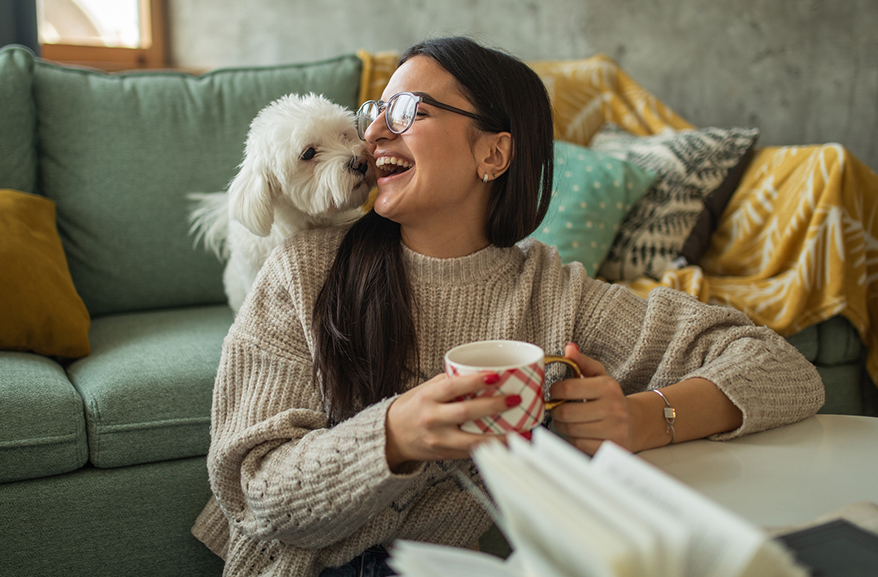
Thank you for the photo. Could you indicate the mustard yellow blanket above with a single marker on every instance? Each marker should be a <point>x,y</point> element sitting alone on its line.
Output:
<point>798,242</point>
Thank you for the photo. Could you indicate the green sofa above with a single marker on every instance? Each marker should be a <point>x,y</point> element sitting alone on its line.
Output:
<point>102,458</point>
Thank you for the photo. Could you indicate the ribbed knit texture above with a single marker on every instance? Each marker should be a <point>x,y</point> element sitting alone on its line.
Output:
<point>300,496</point>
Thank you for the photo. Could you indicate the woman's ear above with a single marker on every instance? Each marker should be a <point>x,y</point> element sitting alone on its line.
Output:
<point>495,154</point>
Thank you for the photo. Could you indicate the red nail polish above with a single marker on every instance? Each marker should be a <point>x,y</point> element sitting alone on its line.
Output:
<point>574,344</point>
<point>491,378</point>
<point>527,434</point>
<point>513,400</point>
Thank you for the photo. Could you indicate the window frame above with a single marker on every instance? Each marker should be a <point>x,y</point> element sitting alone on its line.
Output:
<point>114,58</point>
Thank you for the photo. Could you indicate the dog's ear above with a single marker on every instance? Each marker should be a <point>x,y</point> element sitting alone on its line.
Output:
<point>250,198</point>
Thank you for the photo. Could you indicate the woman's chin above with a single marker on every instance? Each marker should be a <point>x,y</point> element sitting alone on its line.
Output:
<point>384,204</point>
<point>391,193</point>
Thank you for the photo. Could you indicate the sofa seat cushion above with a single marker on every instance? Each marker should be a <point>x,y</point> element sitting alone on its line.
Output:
<point>838,342</point>
<point>128,521</point>
<point>807,341</point>
<point>836,350</point>
<point>120,153</point>
<point>42,431</point>
<point>147,385</point>
<point>829,343</point>
<point>844,394</point>
<point>18,152</point>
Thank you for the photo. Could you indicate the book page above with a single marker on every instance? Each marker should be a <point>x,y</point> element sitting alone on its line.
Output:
<point>552,535</point>
<point>664,540</point>
<point>576,490</point>
<point>723,543</point>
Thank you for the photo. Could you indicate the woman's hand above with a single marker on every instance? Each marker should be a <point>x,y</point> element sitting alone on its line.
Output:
<point>423,424</point>
<point>605,412</point>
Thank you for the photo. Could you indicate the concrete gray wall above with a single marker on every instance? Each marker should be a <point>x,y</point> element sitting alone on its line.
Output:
<point>802,71</point>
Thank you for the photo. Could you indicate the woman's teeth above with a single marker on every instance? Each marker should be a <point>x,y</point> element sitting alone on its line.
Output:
<point>392,165</point>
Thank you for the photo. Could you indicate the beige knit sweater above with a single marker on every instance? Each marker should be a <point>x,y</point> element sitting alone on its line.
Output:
<point>299,496</point>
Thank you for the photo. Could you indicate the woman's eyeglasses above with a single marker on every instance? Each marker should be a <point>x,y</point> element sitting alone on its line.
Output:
<point>400,111</point>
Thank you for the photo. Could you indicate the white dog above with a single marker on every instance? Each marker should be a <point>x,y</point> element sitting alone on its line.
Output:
<point>304,167</point>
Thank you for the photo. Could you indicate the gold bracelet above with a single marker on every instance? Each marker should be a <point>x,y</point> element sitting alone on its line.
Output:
<point>670,415</point>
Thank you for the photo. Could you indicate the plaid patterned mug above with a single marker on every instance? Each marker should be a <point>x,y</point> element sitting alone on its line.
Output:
<point>521,367</point>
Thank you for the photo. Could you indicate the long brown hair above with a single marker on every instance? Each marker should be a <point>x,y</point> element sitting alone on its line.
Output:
<point>364,317</point>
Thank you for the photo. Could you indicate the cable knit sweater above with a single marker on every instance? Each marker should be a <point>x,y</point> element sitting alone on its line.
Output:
<point>296,496</point>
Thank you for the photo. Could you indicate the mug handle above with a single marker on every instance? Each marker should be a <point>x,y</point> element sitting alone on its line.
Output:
<point>550,404</point>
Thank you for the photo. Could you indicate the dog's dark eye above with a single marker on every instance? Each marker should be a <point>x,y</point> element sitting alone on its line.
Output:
<point>309,154</point>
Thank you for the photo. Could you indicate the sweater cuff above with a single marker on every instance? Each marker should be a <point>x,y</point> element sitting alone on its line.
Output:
<point>369,428</point>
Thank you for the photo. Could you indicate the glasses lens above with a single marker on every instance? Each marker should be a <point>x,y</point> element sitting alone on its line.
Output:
<point>401,112</point>
<point>366,116</point>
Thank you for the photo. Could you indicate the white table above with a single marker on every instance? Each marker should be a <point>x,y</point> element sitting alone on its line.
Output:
<point>786,476</point>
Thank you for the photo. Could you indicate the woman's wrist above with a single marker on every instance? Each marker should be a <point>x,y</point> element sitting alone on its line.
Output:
<point>396,461</point>
<point>649,429</point>
<point>701,410</point>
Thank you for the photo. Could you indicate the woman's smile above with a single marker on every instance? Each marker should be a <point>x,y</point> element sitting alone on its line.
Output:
<point>390,165</point>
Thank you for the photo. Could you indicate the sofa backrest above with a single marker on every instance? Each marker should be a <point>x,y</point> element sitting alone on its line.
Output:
<point>18,155</point>
<point>119,153</point>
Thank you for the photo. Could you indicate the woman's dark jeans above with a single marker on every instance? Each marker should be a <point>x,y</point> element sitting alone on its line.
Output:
<point>372,563</point>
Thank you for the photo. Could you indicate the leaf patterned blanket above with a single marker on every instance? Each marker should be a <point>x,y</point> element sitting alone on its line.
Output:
<point>797,244</point>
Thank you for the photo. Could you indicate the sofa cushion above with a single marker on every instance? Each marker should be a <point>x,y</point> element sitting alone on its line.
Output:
<point>714,205</point>
<point>97,522</point>
<point>147,385</point>
<point>807,342</point>
<point>843,390</point>
<point>839,342</point>
<point>39,308</point>
<point>832,342</point>
<point>690,165</point>
<point>119,153</point>
<point>18,155</point>
<point>591,193</point>
<point>42,431</point>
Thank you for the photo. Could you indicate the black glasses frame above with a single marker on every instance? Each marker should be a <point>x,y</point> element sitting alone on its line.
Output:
<point>382,106</point>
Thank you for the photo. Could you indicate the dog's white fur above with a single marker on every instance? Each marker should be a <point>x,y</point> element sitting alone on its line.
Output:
<point>279,189</point>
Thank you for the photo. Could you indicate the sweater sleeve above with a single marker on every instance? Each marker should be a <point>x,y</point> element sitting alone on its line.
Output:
<point>671,336</point>
<point>276,469</point>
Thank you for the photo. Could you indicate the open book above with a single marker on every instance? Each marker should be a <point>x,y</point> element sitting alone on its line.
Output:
<point>613,515</point>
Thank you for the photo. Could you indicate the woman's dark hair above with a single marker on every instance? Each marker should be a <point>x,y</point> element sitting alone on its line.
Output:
<point>364,317</point>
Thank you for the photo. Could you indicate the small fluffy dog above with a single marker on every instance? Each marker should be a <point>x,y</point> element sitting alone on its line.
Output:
<point>304,167</point>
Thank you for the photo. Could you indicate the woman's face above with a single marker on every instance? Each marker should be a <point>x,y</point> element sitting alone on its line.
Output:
<point>438,190</point>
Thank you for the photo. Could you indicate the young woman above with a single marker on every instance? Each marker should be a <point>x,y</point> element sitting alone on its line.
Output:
<point>334,431</point>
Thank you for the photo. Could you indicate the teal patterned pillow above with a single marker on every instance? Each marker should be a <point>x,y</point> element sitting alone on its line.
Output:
<point>591,194</point>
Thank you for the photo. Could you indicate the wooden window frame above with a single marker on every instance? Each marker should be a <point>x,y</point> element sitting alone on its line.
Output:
<point>112,58</point>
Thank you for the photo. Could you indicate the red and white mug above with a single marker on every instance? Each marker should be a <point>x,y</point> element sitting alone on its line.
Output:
<point>521,367</point>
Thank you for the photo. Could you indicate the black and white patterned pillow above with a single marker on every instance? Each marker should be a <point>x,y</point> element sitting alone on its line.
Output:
<point>690,165</point>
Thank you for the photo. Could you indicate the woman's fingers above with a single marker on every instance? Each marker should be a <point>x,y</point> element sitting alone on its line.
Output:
<point>477,408</point>
<point>587,365</point>
<point>587,425</point>
<point>424,422</point>
<point>585,389</point>
<point>444,389</point>
<point>603,411</point>
<point>457,403</point>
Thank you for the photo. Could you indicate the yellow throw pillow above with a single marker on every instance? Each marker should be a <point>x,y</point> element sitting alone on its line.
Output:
<point>40,310</point>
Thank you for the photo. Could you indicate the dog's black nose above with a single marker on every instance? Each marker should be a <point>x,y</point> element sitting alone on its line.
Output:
<point>358,164</point>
